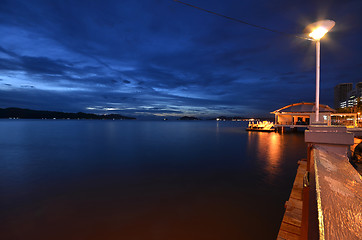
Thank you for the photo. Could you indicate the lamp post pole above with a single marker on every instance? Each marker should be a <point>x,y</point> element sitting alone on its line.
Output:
<point>316,31</point>
<point>317,79</point>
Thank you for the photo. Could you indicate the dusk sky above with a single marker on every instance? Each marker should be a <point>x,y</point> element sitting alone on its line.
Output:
<point>161,58</point>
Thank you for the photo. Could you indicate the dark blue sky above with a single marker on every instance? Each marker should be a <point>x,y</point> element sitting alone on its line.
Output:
<point>149,58</point>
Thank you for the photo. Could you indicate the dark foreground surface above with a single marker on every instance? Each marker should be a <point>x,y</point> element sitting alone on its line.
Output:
<point>68,179</point>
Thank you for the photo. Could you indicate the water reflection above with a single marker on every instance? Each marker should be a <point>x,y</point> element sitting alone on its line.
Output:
<point>143,180</point>
<point>268,148</point>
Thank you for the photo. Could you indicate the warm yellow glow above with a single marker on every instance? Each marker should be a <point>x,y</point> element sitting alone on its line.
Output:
<point>318,29</point>
<point>318,33</point>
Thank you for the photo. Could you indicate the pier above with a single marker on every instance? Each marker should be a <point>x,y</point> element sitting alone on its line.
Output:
<point>292,220</point>
<point>325,202</point>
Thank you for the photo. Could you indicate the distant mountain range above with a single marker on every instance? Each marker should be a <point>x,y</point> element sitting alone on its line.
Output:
<point>35,114</point>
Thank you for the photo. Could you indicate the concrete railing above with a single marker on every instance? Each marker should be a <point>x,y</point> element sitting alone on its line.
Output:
<point>338,194</point>
<point>334,204</point>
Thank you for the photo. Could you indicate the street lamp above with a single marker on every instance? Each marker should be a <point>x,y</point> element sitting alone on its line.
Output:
<point>316,31</point>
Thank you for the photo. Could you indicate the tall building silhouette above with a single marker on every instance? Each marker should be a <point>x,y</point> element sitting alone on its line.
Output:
<point>341,94</point>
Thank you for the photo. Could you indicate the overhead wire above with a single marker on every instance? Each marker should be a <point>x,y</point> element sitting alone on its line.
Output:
<point>241,21</point>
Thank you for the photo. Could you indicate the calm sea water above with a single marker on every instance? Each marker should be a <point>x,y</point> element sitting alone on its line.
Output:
<point>68,179</point>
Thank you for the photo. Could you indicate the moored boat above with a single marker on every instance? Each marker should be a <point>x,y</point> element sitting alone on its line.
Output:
<point>261,126</point>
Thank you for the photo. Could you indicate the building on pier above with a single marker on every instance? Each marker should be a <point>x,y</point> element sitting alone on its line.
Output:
<point>301,115</point>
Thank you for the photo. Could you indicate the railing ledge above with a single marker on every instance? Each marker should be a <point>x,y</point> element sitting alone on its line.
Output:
<point>339,195</point>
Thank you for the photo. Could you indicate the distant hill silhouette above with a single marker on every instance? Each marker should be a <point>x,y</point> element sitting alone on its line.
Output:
<point>35,114</point>
<point>188,118</point>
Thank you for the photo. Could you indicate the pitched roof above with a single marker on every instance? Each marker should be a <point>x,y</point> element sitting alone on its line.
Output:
<point>304,108</point>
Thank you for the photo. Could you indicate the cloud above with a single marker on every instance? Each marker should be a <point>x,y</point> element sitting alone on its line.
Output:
<point>43,65</point>
<point>121,55</point>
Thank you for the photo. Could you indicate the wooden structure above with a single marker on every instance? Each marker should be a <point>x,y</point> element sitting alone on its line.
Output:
<point>292,220</point>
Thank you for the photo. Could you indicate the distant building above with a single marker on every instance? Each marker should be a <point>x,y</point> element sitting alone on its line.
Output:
<point>347,97</point>
<point>341,94</point>
<point>359,86</point>
<point>352,99</point>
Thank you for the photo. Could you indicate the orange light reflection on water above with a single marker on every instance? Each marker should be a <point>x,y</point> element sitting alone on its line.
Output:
<point>268,148</point>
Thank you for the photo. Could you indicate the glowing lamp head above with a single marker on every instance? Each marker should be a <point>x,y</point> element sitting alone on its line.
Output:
<point>318,33</point>
<point>318,29</point>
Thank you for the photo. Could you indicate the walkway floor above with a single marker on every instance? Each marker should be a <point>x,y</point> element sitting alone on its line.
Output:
<point>292,220</point>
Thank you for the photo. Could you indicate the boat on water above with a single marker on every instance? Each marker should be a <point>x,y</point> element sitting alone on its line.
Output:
<point>260,126</point>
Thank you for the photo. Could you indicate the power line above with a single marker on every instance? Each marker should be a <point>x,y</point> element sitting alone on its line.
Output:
<point>241,21</point>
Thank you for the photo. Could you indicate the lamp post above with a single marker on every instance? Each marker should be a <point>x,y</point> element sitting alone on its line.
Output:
<point>316,31</point>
